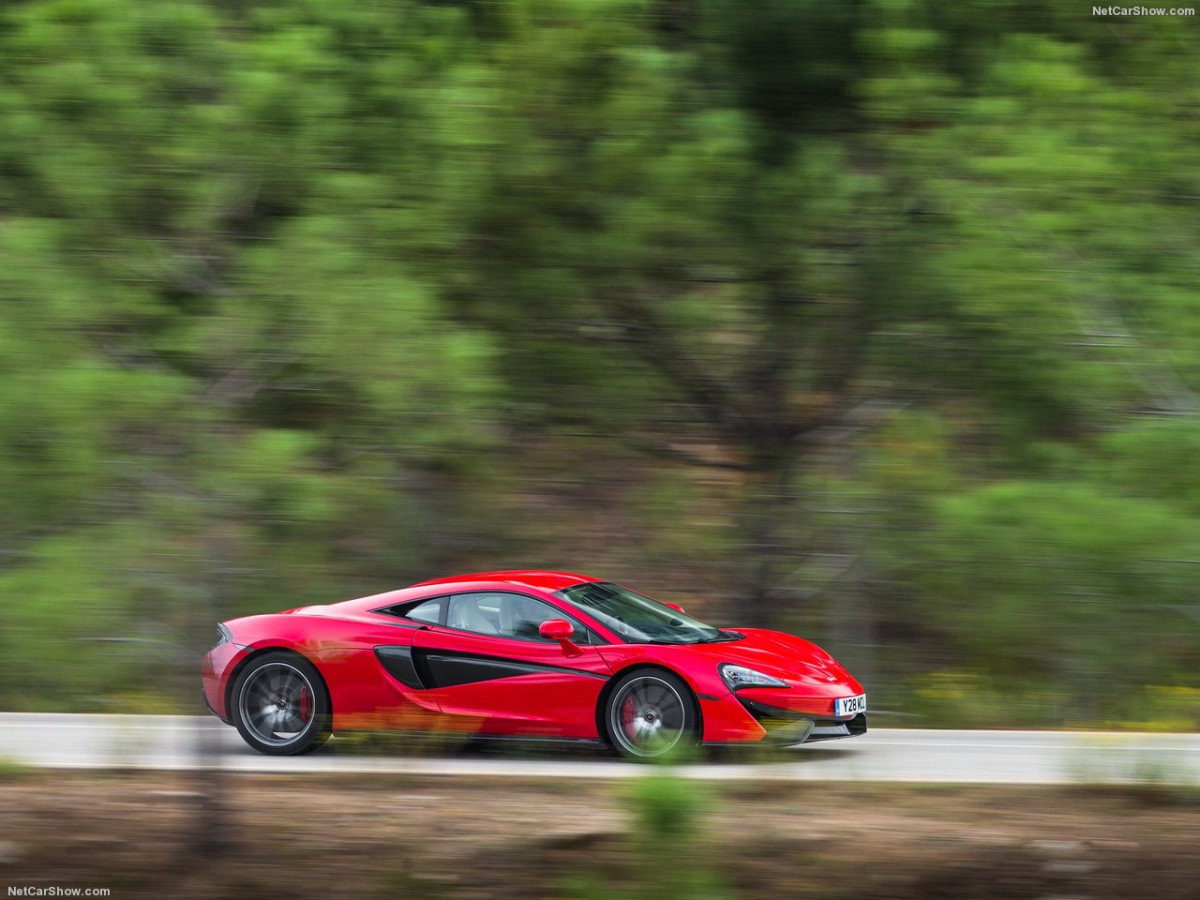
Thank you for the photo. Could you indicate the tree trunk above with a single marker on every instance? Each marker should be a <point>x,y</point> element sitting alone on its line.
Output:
<point>769,502</point>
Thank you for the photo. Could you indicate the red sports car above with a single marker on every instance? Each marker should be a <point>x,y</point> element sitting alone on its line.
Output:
<point>539,655</point>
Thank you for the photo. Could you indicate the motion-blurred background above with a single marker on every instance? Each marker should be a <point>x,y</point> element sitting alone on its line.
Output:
<point>876,321</point>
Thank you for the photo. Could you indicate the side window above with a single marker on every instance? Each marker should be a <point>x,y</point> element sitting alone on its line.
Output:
<point>507,615</point>
<point>429,611</point>
<point>521,616</point>
<point>479,612</point>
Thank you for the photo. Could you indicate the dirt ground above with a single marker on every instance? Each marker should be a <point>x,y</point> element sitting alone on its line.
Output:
<point>389,836</point>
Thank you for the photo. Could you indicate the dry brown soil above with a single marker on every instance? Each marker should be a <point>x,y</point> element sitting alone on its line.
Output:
<point>389,836</point>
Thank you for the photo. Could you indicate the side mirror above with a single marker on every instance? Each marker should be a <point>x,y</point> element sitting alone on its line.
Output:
<point>556,629</point>
<point>675,606</point>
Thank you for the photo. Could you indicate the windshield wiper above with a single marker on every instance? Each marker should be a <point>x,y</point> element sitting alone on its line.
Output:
<point>723,636</point>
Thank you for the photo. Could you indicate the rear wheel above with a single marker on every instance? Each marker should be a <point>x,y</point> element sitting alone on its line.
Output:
<point>280,705</point>
<point>650,713</point>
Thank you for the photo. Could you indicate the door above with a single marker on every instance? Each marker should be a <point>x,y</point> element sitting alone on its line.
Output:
<point>492,673</point>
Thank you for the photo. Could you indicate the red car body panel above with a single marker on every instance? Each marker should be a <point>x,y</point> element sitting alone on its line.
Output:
<point>559,701</point>
<point>372,664</point>
<point>532,578</point>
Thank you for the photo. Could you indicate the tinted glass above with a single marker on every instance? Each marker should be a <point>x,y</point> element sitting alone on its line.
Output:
<point>506,615</point>
<point>479,613</point>
<point>429,611</point>
<point>636,618</point>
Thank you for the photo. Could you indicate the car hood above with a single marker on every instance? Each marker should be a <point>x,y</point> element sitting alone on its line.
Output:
<point>781,655</point>
<point>791,659</point>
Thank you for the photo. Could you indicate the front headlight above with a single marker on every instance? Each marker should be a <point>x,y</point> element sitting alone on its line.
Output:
<point>739,677</point>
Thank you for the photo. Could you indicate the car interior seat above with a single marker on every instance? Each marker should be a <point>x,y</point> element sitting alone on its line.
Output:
<point>470,617</point>
<point>508,615</point>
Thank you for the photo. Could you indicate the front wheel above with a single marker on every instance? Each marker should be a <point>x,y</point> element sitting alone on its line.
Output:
<point>651,713</point>
<point>280,705</point>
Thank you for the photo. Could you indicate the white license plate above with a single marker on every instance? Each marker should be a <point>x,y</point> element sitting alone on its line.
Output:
<point>850,706</point>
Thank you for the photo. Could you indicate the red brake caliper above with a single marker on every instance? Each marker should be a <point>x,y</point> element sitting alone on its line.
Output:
<point>627,718</point>
<point>305,703</point>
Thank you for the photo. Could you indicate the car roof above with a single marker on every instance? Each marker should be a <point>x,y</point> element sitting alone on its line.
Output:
<point>531,578</point>
<point>535,578</point>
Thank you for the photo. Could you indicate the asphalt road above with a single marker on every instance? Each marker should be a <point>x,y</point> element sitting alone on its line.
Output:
<point>896,755</point>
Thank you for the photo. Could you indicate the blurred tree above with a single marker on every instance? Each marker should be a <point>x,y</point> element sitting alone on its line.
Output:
<point>1052,164</point>
<point>203,245</point>
<point>695,248</point>
<point>210,320</point>
<point>281,282</point>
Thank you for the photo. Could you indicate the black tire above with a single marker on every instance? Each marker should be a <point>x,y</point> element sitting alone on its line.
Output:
<point>651,713</point>
<point>280,705</point>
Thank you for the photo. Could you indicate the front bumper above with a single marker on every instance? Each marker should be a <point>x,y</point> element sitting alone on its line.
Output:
<point>787,726</point>
<point>777,717</point>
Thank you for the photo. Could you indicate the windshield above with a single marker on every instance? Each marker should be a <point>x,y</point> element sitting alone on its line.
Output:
<point>638,619</point>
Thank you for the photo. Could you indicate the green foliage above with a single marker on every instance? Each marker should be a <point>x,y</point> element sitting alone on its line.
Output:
<point>667,810</point>
<point>964,699</point>
<point>12,770</point>
<point>289,291</point>
<point>228,379</point>
<point>1060,585</point>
